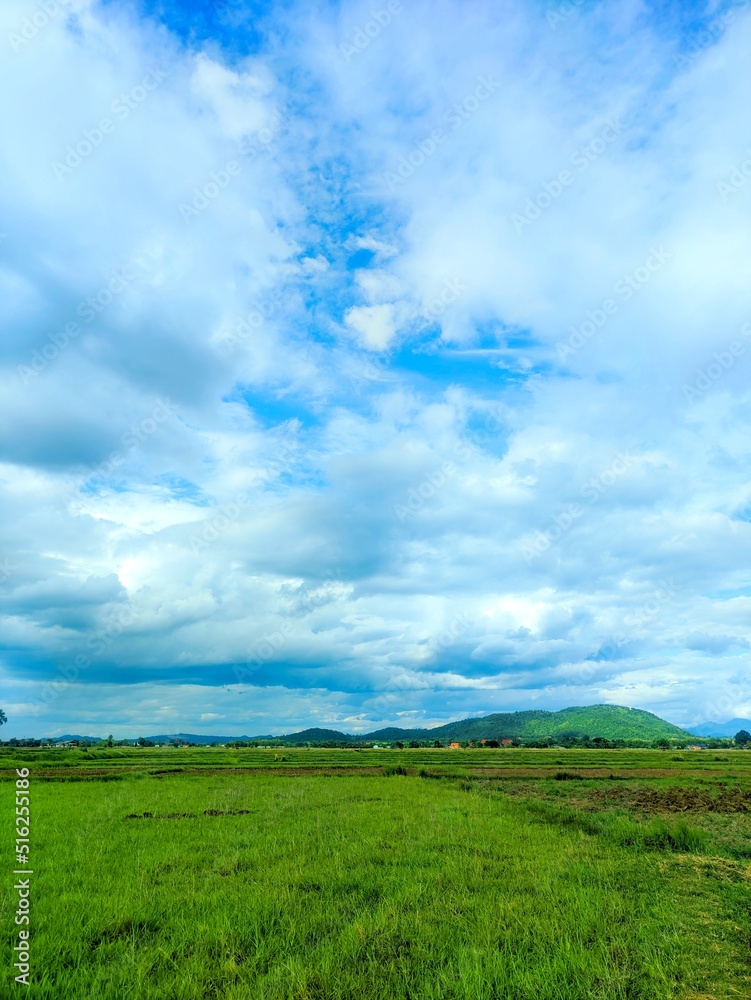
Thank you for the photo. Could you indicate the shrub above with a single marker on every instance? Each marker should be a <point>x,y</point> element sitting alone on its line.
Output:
<point>679,836</point>
<point>660,835</point>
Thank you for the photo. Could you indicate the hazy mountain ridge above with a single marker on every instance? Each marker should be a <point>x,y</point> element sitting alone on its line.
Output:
<point>606,721</point>
<point>723,729</point>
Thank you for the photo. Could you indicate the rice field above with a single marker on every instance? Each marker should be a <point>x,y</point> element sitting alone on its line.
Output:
<point>360,875</point>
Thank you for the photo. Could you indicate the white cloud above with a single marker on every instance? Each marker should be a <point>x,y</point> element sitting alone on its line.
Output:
<point>374,327</point>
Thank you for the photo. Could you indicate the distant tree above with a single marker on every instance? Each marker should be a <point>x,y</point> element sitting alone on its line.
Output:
<point>3,717</point>
<point>742,737</point>
<point>414,745</point>
<point>437,743</point>
<point>492,744</point>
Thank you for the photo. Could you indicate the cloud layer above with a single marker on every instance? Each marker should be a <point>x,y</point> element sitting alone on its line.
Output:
<point>363,369</point>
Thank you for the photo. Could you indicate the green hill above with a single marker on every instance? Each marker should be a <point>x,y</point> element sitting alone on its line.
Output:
<point>394,733</point>
<point>612,722</point>
<point>319,736</point>
<point>609,721</point>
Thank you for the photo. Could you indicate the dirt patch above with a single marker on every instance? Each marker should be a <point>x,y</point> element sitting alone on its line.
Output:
<point>139,930</point>
<point>184,815</point>
<point>110,774</point>
<point>676,799</point>
<point>448,770</point>
<point>601,773</point>
<point>226,812</point>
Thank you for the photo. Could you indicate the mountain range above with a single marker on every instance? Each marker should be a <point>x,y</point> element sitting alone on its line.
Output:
<point>726,729</point>
<point>608,721</point>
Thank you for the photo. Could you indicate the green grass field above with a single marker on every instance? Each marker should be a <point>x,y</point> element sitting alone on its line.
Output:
<point>527,875</point>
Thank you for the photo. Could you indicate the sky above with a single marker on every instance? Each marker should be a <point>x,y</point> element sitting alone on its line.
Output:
<point>371,365</point>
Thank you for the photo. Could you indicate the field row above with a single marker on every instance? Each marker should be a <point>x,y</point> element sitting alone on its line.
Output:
<point>154,760</point>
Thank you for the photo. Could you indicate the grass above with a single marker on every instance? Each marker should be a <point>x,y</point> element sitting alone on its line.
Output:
<point>361,879</point>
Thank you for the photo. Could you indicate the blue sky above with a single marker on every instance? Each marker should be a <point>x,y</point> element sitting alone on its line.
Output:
<point>370,365</point>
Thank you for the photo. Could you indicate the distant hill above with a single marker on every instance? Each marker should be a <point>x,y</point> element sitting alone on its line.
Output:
<point>193,738</point>
<point>68,737</point>
<point>392,733</point>
<point>726,729</point>
<point>306,736</point>
<point>609,721</point>
<point>184,737</point>
<point>612,722</point>
<point>318,736</point>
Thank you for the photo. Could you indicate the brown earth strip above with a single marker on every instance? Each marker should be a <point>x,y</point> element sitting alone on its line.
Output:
<point>676,799</point>
<point>499,773</point>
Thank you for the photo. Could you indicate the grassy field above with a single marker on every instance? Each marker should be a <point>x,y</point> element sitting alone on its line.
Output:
<point>527,875</point>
